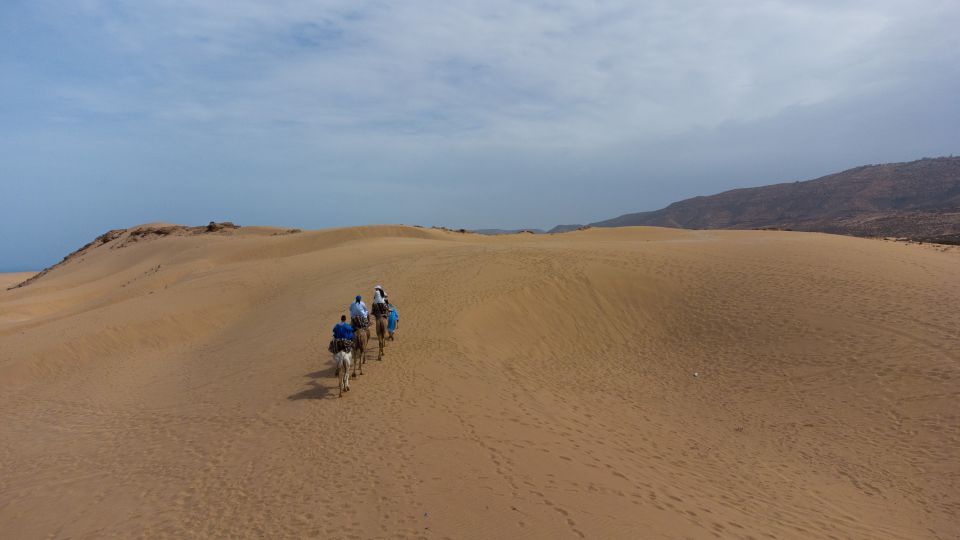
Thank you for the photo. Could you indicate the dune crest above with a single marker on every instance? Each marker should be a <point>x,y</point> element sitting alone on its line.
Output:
<point>616,383</point>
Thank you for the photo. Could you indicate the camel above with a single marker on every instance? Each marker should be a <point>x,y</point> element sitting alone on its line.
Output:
<point>360,338</point>
<point>343,359</point>
<point>381,335</point>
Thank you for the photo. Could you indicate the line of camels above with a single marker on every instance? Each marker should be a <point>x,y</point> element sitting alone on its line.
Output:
<point>344,360</point>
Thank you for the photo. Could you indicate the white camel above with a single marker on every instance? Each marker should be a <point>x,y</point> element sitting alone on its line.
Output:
<point>343,360</point>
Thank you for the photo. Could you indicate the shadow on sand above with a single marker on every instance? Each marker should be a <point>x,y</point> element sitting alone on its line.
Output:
<point>317,389</point>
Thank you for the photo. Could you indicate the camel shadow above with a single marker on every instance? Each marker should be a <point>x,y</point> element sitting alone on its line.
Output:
<point>318,390</point>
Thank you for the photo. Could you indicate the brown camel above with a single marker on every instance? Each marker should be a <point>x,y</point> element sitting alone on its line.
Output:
<point>381,335</point>
<point>360,338</point>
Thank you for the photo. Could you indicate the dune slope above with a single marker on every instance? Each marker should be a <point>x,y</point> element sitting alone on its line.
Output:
<point>540,387</point>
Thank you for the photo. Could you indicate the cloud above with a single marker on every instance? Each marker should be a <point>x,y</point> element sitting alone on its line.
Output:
<point>550,71</point>
<point>509,106</point>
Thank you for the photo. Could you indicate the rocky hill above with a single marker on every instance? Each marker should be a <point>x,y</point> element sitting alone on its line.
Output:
<point>918,200</point>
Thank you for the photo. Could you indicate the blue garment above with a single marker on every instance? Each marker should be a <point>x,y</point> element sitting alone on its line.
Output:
<point>358,309</point>
<point>392,321</point>
<point>343,331</point>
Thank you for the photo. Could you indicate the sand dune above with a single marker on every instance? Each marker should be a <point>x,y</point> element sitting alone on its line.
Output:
<point>10,279</point>
<point>540,387</point>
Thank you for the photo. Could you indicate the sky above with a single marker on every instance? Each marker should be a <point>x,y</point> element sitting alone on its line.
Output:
<point>499,114</point>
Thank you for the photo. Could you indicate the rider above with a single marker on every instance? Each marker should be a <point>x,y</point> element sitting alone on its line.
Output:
<point>379,302</point>
<point>358,313</point>
<point>342,332</point>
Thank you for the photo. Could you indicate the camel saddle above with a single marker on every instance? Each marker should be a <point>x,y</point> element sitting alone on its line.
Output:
<point>338,345</point>
<point>359,322</point>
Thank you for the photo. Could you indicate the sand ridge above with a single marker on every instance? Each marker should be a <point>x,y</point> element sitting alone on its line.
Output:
<point>541,386</point>
<point>9,279</point>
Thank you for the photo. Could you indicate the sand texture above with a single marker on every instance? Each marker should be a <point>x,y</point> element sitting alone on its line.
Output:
<point>541,386</point>
<point>11,279</point>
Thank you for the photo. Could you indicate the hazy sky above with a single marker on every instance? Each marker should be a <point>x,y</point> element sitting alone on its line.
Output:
<point>467,114</point>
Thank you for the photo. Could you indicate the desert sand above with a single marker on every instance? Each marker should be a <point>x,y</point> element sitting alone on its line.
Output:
<point>540,387</point>
<point>9,279</point>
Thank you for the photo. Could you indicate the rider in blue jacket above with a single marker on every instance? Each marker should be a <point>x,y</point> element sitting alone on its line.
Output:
<point>343,330</point>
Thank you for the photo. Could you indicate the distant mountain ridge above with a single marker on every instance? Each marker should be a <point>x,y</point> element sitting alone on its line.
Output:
<point>918,200</point>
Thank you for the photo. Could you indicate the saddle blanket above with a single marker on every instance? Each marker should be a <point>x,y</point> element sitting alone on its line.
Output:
<point>359,322</point>
<point>338,345</point>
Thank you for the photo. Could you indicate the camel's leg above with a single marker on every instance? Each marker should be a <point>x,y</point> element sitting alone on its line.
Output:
<point>381,337</point>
